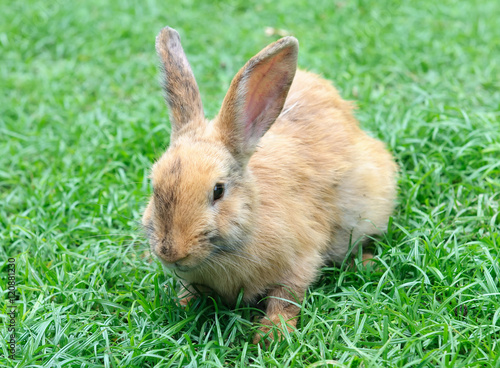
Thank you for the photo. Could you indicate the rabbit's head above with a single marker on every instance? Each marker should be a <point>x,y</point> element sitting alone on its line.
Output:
<point>204,195</point>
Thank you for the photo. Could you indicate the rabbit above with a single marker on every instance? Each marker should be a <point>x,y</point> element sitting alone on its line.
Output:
<point>279,183</point>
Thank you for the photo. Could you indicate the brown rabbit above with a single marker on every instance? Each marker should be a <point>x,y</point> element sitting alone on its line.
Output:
<point>281,182</point>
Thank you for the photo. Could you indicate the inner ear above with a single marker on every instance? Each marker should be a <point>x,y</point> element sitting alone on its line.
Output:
<point>267,88</point>
<point>256,96</point>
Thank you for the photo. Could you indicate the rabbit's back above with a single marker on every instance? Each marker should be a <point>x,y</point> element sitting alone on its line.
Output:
<point>319,175</point>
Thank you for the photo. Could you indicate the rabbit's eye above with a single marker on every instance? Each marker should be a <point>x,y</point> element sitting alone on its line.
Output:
<point>218,191</point>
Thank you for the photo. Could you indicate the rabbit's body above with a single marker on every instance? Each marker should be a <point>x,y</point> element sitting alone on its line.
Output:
<point>318,188</point>
<point>273,188</point>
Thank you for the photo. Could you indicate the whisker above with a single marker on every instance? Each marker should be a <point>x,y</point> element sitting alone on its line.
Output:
<point>208,262</point>
<point>106,235</point>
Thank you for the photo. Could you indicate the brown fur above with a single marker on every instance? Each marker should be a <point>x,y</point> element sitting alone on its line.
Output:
<point>180,85</point>
<point>298,192</point>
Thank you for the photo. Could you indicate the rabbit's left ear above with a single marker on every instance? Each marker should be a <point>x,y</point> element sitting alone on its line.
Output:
<point>256,97</point>
<point>182,93</point>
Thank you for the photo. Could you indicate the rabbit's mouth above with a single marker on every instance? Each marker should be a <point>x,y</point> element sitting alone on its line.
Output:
<point>182,268</point>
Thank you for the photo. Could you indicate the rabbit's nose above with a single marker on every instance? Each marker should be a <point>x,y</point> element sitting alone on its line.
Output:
<point>170,254</point>
<point>176,259</point>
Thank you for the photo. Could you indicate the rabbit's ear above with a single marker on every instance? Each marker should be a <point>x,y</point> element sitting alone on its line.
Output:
<point>256,96</point>
<point>182,93</point>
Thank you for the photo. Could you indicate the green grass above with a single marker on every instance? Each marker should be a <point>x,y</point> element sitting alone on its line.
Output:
<point>82,118</point>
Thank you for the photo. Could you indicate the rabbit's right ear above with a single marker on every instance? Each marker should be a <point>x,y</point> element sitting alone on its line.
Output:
<point>256,97</point>
<point>182,93</point>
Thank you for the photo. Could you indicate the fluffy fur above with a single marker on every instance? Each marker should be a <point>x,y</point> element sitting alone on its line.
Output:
<point>302,181</point>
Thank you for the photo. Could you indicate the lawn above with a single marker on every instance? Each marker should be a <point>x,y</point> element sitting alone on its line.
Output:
<point>82,118</point>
